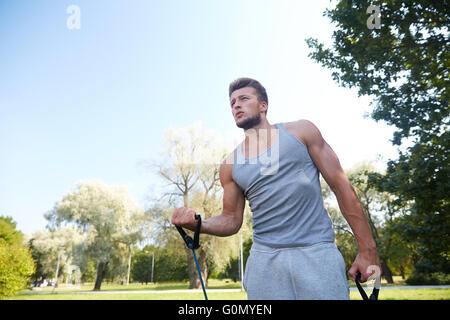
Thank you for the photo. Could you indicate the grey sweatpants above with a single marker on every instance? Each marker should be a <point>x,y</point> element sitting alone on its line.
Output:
<point>311,273</point>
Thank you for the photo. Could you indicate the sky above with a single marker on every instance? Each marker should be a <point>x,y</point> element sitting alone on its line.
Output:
<point>94,102</point>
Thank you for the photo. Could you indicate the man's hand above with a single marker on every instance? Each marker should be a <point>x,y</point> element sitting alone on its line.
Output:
<point>185,218</point>
<point>362,262</point>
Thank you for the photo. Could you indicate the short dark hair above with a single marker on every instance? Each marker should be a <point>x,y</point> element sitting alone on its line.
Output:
<point>248,82</point>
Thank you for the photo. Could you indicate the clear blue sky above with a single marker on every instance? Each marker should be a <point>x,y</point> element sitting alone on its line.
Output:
<point>91,103</point>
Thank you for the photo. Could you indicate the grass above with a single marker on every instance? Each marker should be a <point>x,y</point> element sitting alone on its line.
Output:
<point>46,293</point>
<point>212,284</point>
<point>398,281</point>
<point>408,294</point>
<point>136,296</point>
<point>394,294</point>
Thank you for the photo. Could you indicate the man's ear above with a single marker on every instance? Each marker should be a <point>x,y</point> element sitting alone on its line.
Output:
<point>263,106</point>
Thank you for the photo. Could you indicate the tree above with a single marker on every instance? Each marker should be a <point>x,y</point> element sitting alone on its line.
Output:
<point>374,202</point>
<point>191,168</point>
<point>16,262</point>
<point>404,65</point>
<point>232,269</point>
<point>8,231</point>
<point>169,265</point>
<point>401,253</point>
<point>47,245</point>
<point>382,214</point>
<point>108,215</point>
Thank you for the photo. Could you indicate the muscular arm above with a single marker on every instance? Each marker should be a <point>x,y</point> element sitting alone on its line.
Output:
<point>328,164</point>
<point>230,220</point>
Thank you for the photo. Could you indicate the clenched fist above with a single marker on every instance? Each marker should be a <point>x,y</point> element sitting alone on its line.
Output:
<point>185,218</point>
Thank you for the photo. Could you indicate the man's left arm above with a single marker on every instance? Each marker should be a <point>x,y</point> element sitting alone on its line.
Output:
<point>329,166</point>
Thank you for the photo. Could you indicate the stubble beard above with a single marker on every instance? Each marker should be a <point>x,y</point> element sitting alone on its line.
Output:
<point>250,122</point>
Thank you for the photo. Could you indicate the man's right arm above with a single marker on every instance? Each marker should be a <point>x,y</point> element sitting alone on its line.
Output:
<point>230,220</point>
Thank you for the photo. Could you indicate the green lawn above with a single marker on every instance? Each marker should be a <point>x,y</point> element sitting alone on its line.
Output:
<point>136,296</point>
<point>408,294</point>
<point>212,284</point>
<point>394,294</point>
<point>46,294</point>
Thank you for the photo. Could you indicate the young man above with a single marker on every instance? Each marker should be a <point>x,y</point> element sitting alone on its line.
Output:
<point>293,254</point>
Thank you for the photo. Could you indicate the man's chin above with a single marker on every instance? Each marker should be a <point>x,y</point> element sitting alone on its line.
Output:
<point>249,122</point>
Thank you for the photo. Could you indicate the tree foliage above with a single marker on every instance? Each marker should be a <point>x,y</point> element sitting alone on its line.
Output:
<point>168,265</point>
<point>404,65</point>
<point>8,231</point>
<point>381,214</point>
<point>46,245</point>
<point>191,169</point>
<point>109,217</point>
<point>16,262</point>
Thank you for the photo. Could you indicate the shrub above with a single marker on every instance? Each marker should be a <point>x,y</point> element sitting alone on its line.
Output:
<point>16,267</point>
<point>437,278</point>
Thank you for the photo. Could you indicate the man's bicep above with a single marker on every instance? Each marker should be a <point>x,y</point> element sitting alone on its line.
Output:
<point>233,197</point>
<point>233,200</point>
<point>329,166</point>
<point>325,159</point>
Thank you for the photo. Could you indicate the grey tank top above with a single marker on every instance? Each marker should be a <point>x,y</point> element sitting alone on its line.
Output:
<point>284,194</point>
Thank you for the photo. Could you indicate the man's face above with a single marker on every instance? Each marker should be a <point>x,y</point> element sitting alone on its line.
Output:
<point>246,107</point>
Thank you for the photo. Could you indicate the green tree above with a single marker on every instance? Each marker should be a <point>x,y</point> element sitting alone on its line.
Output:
<point>232,269</point>
<point>382,214</point>
<point>404,65</point>
<point>344,238</point>
<point>16,262</point>
<point>401,253</point>
<point>8,231</point>
<point>141,266</point>
<point>169,265</point>
<point>16,267</point>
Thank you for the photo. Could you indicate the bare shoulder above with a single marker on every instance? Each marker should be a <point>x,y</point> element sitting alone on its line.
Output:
<point>304,130</point>
<point>226,168</point>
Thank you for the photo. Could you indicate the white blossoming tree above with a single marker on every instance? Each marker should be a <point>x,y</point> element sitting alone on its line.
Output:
<point>108,216</point>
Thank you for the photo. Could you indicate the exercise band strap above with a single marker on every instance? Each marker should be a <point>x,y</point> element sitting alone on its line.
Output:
<point>194,244</point>
<point>373,296</point>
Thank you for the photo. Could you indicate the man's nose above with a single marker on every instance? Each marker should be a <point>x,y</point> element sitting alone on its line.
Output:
<point>236,107</point>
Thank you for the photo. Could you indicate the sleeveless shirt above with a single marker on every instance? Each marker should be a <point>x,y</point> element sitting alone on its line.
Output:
<point>283,190</point>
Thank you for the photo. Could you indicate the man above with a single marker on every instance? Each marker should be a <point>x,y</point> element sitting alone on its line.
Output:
<point>293,254</point>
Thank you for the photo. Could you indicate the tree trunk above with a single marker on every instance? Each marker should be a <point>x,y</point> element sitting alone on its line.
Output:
<point>402,272</point>
<point>194,280</point>
<point>203,267</point>
<point>101,270</point>
<point>387,273</point>
<point>192,272</point>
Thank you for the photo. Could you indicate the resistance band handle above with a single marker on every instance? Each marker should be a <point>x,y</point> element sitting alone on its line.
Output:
<point>373,296</point>
<point>192,244</point>
<point>197,231</point>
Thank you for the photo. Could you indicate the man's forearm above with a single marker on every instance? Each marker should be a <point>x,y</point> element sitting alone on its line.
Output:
<point>222,225</point>
<point>361,230</point>
<point>353,212</point>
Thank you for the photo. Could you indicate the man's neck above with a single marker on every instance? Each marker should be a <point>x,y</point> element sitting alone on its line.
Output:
<point>263,130</point>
